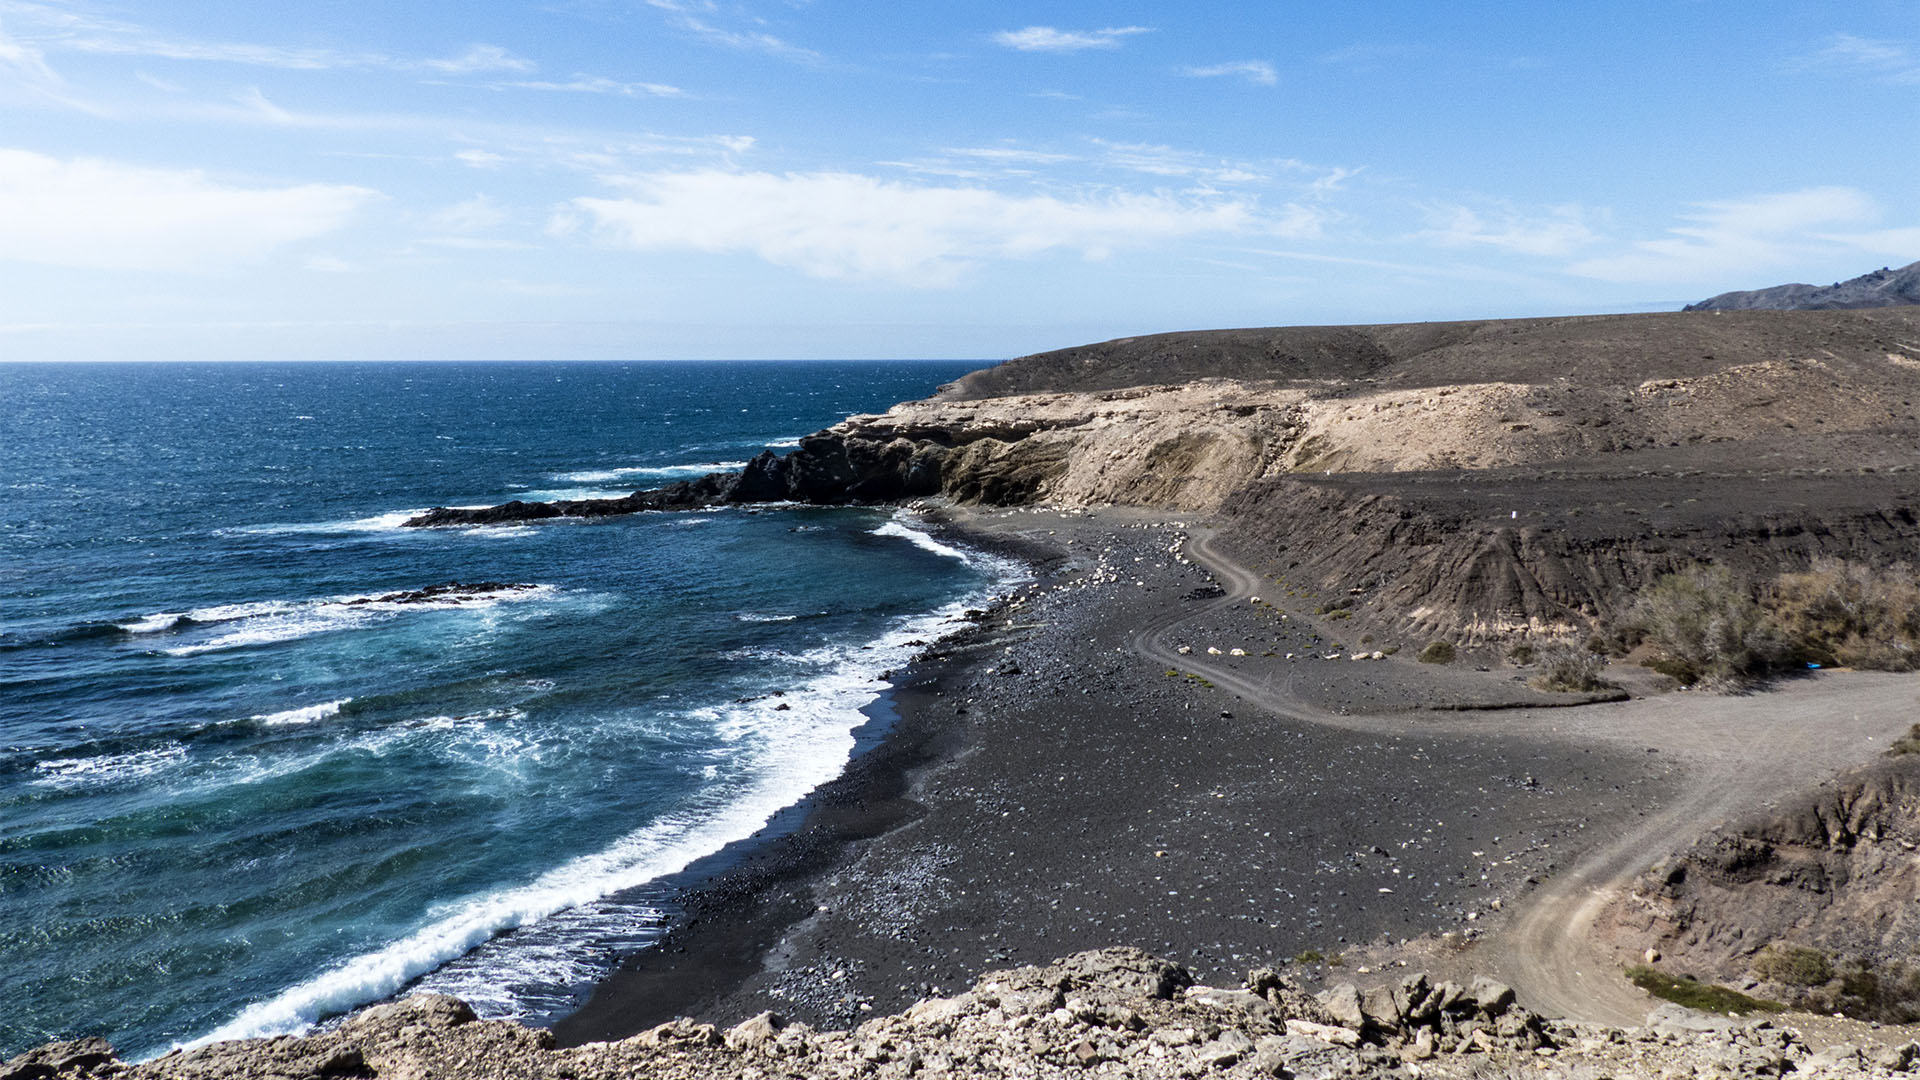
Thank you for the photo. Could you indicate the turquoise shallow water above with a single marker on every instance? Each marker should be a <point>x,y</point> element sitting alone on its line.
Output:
<point>239,790</point>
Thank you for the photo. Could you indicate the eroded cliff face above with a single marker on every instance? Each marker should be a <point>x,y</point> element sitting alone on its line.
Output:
<point>1836,873</point>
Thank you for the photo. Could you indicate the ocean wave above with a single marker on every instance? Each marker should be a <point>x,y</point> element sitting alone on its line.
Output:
<point>390,521</point>
<point>106,770</point>
<point>307,715</point>
<point>923,541</point>
<point>649,472</point>
<point>760,617</point>
<point>802,739</point>
<point>266,622</point>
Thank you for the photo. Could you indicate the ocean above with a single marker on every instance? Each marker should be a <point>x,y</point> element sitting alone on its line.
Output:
<point>255,772</point>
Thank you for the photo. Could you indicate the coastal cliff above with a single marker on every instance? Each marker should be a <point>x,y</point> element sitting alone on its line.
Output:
<point>1477,480</point>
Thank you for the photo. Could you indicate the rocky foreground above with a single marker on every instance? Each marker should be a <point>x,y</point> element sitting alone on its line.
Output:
<point>1115,1012</point>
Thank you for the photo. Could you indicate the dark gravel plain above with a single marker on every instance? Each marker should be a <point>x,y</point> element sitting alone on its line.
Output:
<point>1041,789</point>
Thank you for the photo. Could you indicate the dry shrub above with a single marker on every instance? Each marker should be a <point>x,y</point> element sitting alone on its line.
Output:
<point>1437,652</point>
<point>1705,628</point>
<point>1851,614</point>
<point>1570,669</point>
<point>1887,994</point>
<point>1793,965</point>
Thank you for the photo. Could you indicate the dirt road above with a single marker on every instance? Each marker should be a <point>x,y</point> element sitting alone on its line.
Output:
<point>1744,754</point>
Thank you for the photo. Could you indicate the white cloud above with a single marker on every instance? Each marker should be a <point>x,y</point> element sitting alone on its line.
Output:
<point>1049,39</point>
<point>25,61</point>
<point>844,225</point>
<point>66,30</point>
<point>1258,72</point>
<point>1009,153</point>
<point>1890,61</point>
<point>479,58</point>
<point>1155,160</point>
<point>597,84</point>
<point>682,13</point>
<point>1560,232</point>
<point>479,159</point>
<point>87,212</point>
<point>1737,237</point>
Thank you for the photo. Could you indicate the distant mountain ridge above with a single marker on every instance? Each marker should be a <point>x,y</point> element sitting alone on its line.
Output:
<point>1882,288</point>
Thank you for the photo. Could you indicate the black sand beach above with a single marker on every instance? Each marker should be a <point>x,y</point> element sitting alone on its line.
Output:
<point>1046,789</point>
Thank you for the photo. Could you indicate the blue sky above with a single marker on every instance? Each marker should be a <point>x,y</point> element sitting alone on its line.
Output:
<point>640,179</point>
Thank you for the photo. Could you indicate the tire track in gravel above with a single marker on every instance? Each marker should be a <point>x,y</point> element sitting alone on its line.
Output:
<point>1743,755</point>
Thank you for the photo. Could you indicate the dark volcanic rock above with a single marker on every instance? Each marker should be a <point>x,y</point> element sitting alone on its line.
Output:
<point>830,467</point>
<point>1884,287</point>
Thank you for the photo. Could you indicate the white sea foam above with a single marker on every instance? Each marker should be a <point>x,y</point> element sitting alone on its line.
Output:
<point>649,472</point>
<point>923,541</point>
<point>154,624</point>
<point>795,749</point>
<point>392,521</point>
<point>270,621</point>
<point>305,715</point>
<point>758,617</point>
<point>106,770</point>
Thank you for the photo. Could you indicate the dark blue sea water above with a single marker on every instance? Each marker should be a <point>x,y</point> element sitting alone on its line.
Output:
<point>240,792</point>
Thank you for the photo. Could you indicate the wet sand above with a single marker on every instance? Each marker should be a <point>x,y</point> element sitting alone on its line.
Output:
<point>1044,789</point>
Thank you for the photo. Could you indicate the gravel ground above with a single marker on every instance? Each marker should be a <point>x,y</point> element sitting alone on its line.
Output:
<point>1046,790</point>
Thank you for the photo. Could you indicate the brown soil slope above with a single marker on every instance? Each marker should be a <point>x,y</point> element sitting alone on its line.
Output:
<point>1588,349</point>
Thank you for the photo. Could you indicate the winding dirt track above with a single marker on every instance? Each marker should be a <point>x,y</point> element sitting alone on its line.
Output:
<point>1744,755</point>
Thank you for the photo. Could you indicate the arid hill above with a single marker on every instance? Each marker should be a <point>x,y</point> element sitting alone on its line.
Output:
<point>1885,287</point>
<point>1474,480</point>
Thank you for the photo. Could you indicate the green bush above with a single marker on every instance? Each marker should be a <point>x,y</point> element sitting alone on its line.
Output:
<point>1704,627</point>
<point>1436,652</point>
<point>1793,965</point>
<point>1697,995</point>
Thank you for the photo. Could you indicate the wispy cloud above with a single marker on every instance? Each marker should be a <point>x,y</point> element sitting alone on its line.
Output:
<point>478,58</point>
<point>1739,236</point>
<point>696,17</point>
<point>65,30</point>
<point>1258,72</point>
<point>1558,232</point>
<point>1155,160</point>
<point>1011,153</point>
<point>1887,61</point>
<point>598,84</point>
<point>87,212</point>
<point>850,226</point>
<point>25,61</point>
<point>1049,39</point>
